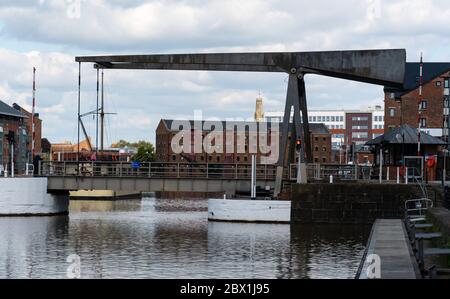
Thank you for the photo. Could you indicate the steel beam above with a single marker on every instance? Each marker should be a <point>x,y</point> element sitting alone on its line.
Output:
<point>383,67</point>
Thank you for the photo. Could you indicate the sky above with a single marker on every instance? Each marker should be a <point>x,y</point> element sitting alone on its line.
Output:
<point>48,34</point>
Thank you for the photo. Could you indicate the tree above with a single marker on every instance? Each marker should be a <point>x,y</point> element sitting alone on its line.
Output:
<point>121,144</point>
<point>145,153</point>
<point>45,145</point>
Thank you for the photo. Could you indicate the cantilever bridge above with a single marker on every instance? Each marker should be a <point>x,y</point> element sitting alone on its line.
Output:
<point>381,67</point>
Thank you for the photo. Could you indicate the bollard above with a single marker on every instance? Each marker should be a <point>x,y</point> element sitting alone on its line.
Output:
<point>387,174</point>
<point>398,175</point>
<point>331,179</point>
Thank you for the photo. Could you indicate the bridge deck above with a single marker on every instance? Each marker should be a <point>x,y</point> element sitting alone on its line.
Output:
<point>389,241</point>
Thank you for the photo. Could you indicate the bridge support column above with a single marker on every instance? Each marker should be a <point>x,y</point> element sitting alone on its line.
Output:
<point>296,98</point>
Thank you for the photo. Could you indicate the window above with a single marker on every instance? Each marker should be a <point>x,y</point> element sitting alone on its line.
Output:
<point>328,118</point>
<point>375,118</point>
<point>310,118</point>
<point>324,149</point>
<point>423,122</point>
<point>423,105</point>
<point>324,139</point>
<point>360,127</point>
<point>316,160</point>
<point>438,83</point>
<point>332,118</point>
<point>341,118</point>
<point>314,119</point>
<point>392,112</point>
<point>392,95</point>
<point>324,160</point>
<point>174,158</point>
<point>218,158</point>
<point>360,135</point>
<point>319,118</point>
<point>447,83</point>
<point>316,149</point>
<point>360,118</point>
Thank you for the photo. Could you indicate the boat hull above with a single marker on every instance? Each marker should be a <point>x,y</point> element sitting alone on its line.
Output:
<point>245,210</point>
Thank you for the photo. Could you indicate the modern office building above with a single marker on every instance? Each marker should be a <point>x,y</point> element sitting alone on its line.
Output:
<point>346,126</point>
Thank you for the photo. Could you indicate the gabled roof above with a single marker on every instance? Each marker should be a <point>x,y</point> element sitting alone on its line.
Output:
<point>405,135</point>
<point>316,128</point>
<point>431,70</point>
<point>5,109</point>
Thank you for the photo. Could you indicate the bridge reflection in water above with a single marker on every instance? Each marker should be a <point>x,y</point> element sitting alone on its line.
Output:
<point>156,238</point>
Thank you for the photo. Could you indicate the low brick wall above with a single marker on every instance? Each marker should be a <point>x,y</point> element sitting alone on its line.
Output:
<point>350,203</point>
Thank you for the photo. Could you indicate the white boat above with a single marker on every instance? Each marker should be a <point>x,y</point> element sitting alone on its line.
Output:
<point>247,210</point>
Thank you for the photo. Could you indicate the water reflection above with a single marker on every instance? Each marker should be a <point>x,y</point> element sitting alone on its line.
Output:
<point>172,239</point>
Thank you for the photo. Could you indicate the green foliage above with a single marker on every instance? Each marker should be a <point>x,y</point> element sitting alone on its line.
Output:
<point>145,153</point>
<point>145,150</point>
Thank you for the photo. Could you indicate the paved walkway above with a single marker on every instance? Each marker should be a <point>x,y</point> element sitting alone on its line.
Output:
<point>388,240</point>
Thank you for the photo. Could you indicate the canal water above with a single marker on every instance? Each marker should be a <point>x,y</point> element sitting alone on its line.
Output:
<point>156,238</point>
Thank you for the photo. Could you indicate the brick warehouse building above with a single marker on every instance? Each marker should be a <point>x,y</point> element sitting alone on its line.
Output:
<point>241,153</point>
<point>14,121</point>
<point>401,106</point>
<point>37,128</point>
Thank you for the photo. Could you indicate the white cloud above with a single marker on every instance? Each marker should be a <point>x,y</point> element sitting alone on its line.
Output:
<point>136,26</point>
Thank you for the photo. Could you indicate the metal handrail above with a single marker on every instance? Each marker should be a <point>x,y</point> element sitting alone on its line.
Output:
<point>155,169</point>
<point>420,205</point>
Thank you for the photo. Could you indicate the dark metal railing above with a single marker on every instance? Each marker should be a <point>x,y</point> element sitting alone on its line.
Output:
<point>156,170</point>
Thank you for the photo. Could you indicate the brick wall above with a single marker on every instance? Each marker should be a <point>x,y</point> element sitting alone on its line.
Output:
<point>351,202</point>
<point>164,152</point>
<point>406,110</point>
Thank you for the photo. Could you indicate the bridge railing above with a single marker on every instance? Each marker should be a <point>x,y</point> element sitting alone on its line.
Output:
<point>156,170</point>
<point>339,172</point>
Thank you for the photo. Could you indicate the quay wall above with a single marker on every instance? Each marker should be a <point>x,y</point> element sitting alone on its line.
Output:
<point>353,203</point>
<point>26,196</point>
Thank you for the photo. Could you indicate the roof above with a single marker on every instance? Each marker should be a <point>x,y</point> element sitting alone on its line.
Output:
<point>405,135</point>
<point>5,109</point>
<point>412,74</point>
<point>316,128</point>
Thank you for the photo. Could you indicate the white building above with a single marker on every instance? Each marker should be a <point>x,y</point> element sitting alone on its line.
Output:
<point>335,120</point>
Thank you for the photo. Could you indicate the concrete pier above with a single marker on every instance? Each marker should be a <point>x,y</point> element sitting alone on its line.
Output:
<point>388,241</point>
<point>27,196</point>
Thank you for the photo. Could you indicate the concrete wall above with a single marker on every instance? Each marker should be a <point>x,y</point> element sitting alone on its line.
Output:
<point>28,196</point>
<point>350,203</point>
